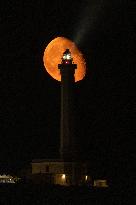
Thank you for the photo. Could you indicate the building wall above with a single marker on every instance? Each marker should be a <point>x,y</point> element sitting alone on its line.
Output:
<point>54,167</point>
<point>63,173</point>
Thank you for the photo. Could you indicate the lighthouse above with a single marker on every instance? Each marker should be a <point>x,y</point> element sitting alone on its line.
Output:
<point>67,68</point>
<point>68,169</point>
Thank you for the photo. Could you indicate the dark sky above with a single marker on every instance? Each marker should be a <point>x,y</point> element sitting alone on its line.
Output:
<point>30,98</point>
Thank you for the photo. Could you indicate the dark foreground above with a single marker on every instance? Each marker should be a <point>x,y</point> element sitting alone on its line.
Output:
<point>41,195</point>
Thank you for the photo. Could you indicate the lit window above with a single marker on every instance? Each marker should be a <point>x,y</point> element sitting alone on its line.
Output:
<point>86,177</point>
<point>63,176</point>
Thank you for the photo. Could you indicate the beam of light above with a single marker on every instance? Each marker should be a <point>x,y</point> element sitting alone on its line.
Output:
<point>88,20</point>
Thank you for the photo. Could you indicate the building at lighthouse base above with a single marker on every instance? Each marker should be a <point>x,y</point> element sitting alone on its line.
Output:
<point>59,172</point>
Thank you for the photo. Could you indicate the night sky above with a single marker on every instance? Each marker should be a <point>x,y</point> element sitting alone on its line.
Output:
<point>30,98</point>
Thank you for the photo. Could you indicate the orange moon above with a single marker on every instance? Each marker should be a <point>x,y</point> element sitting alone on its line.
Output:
<point>53,54</point>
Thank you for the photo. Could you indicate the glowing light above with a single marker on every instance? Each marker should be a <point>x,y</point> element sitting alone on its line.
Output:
<point>63,176</point>
<point>53,56</point>
<point>86,177</point>
<point>67,62</point>
<point>67,56</point>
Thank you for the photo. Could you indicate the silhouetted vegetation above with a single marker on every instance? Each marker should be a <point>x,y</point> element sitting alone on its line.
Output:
<point>22,194</point>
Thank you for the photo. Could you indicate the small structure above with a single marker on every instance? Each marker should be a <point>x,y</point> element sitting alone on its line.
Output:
<point>100,183</point>
<point>6,179</point>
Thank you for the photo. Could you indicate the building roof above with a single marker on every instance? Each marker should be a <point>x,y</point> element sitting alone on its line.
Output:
<point>46,160</point>
<point>52,160</point>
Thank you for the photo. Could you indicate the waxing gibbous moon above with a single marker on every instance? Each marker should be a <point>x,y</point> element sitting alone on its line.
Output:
<point>53,54</point>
